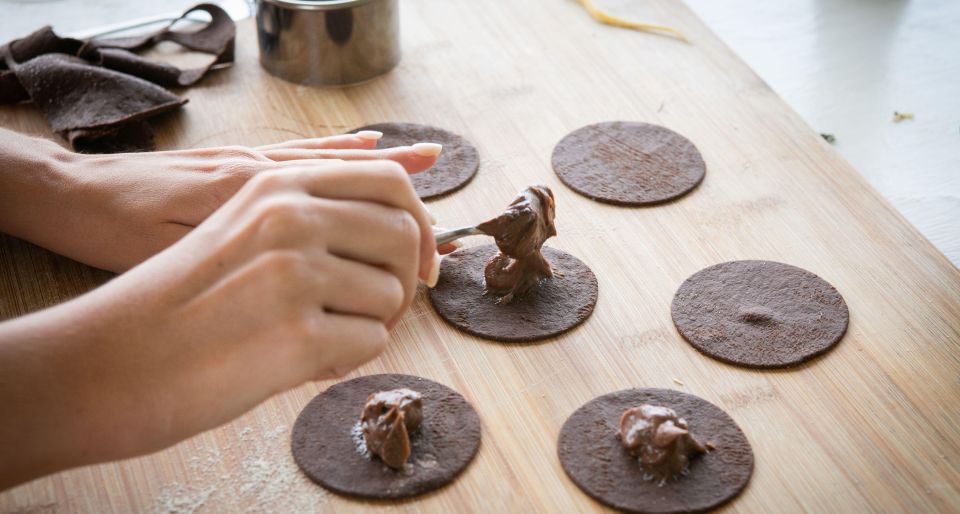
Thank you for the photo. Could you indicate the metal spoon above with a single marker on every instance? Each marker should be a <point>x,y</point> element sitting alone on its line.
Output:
<point>237,9</point>
<point>445,236</point>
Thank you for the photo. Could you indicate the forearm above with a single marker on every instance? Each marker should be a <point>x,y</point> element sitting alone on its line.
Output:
<point>33,186</point>
<point>42,407</point>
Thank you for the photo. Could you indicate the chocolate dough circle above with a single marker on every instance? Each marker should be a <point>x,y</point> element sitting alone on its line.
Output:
<point>456,165</point>
<point>446,441</point>
<point>628,163</point>
<point>759,314</point>
<point>557,305</point>
<point>595,459</point>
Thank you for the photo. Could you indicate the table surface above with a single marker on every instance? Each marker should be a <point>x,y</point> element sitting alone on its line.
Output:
<point>843,65</point>
<point>872,425</point>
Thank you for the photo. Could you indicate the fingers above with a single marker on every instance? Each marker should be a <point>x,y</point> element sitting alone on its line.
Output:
<point>344,343</point>
<point>362,290</point>
<point>307,163</point>
<point>414,159</point>
<point>380,182</point>
<point>376,235</point>
<point>360,140</point>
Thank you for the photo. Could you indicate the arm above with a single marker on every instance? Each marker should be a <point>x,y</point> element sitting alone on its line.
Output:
<point>299,276</point>
<point>114,211</point>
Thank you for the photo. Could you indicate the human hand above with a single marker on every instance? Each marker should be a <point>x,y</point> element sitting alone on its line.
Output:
<point>114,211</point>
<point>299,276</point>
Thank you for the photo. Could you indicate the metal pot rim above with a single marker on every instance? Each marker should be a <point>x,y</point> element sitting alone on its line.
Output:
<point>317,5</point>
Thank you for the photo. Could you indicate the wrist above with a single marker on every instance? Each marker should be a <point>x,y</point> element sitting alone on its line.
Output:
<point>35,179</point>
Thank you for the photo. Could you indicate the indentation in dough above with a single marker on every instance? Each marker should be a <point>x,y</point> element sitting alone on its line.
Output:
<point>757,315</point>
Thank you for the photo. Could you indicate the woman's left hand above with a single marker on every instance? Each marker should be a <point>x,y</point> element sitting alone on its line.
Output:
<point>115,211</point>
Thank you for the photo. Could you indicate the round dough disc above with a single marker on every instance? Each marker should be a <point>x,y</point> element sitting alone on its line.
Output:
<point>595,459</point>
<point>559,304</point>
<point>455,167</point>
<point>759,314</point>
<point>628,163</point>
<point>326,440</point>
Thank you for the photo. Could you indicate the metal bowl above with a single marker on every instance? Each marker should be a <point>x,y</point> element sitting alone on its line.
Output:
<point>328,42</point>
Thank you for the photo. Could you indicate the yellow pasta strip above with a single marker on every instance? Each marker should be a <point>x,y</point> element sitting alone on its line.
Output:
<point>605,18</point>
<point>900,116</point>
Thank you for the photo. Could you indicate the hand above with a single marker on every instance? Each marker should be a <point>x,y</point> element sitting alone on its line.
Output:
<point>297,277</point>
<point>115,211</point>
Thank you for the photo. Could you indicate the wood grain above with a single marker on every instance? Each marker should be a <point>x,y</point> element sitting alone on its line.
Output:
<point>871,426</point>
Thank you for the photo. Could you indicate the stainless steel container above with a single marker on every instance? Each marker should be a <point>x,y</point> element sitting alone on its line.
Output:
<point>328,42</point>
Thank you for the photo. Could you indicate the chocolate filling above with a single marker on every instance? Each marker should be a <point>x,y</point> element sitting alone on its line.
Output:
<point>660,440</point>
<point>387,420</point>
<point>520,232</point>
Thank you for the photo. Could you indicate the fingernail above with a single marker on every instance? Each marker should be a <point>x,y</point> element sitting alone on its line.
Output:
<point>434,274</point>
<point>456,243</point>
<point>427,149</point>
<point>372,135</point>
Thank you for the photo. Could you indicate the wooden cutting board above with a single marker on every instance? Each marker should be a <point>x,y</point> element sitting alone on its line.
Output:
<point>872,425</point>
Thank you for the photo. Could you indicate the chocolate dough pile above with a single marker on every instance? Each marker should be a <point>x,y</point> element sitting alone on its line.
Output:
<point>98,93</point>
<point>660,440</point>
<point>520,233</point>
<point>387,420</point>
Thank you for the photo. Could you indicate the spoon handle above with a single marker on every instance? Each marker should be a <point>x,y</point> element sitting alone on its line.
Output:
<point>449,236</point>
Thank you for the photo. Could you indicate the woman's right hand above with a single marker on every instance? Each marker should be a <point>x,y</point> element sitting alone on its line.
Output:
<point>298,277</point>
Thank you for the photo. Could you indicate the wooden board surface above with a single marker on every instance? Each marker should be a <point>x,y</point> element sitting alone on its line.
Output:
<point>873,425</point>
